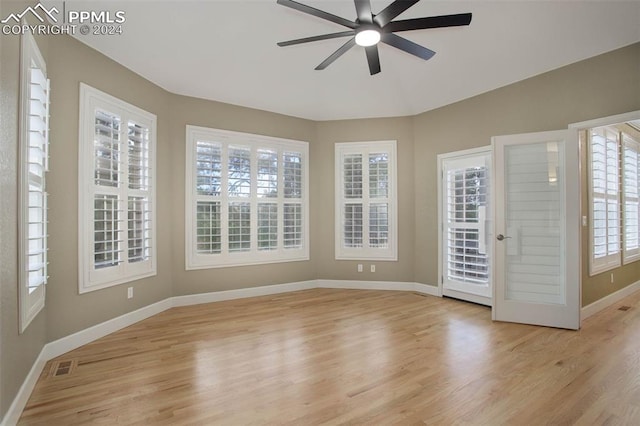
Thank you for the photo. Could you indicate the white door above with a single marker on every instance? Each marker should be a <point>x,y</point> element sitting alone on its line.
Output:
<point>537,224</point>
<point>465,210</point>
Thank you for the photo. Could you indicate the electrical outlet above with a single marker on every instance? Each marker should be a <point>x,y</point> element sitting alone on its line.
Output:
<point>373,268</point>
<point>359,267</point>
<point>612,278</point>
<point>130,293</point>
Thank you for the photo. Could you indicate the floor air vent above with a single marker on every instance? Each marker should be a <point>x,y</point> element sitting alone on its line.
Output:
<point>624,308</point>
<point>62,368</point>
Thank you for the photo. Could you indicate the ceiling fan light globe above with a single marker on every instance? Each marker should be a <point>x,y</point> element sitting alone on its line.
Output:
<point>367,38</point>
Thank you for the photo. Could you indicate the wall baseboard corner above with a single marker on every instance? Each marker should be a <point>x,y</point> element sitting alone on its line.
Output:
<point>14,412</point>
<point>609,300</point>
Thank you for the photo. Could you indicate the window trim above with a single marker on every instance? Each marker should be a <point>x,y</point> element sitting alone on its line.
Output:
<point>194,260</point>
<point>30,304</point>
<point>90,100</point>
<point>366,253</point>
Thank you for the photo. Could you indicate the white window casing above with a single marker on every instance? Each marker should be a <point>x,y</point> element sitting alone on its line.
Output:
<point>366,201</point>
<point>117,191</point>
<point>34,163</point>
<point>247,199</point>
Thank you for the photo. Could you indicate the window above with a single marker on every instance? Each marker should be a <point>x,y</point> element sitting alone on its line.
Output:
<point>34,156</point>
<point>614,197</point>
<point>366,201</point>
<point>116,191</point>
<point>246,199</point>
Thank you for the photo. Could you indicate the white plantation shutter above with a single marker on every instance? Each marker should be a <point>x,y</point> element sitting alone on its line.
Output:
<point>631,198</point>
<point>295,201</point>
<point>140,215</point>
<point>604,188</point>
<point>34,146</point>
<point>246,199</point>
<point>208,186</point>
<point>116,191</point>
<point>465,215</point>
<point>353,220</point>
<point>38,165</point>
<point>366,201</point>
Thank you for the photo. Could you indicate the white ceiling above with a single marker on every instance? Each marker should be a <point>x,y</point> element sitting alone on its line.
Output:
<point>225,50</point>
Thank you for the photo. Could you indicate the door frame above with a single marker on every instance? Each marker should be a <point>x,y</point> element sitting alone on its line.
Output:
<point>578,127</point>
<point>483,150</point>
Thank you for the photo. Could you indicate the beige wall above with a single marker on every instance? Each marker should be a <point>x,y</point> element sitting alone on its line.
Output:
<point>323,198</point>
<point>17,351</point>
<point>598,87</point>
<point>71,62</point>
<point>601,86</point>
<point>198,112</point>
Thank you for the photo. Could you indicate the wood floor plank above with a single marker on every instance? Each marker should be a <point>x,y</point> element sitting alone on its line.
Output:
<point>331,356</point>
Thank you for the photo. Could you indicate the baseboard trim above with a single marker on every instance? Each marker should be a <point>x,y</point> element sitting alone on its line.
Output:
<point>380,285</point>
<point>365,285</point>
<point>609,300</point>
<point>73,341</point>
<point>88,335</point>
<point>15,410</point>
<point>220,296</point>
<point>431,290</point>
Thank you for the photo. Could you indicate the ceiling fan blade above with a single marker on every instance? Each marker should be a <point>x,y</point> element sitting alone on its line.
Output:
<point>363,9</point>
<point>316,38</point>
<point>407,46</point>
<point>430,22</point>
<point>394,9</point>
<point>373,59</point>
<point>335,55</point>
<point>318,13</point>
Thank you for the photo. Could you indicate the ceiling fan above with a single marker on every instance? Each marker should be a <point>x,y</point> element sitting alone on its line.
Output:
<point>369,29</point>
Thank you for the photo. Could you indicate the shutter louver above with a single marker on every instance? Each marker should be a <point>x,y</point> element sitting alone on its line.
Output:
<point>38,164</point>
<point>605,199</point>
<point>631,198</point>
<point>466,204</point>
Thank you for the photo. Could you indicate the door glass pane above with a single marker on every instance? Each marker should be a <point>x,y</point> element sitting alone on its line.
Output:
<point>535,223</point>
<point>467,260</point>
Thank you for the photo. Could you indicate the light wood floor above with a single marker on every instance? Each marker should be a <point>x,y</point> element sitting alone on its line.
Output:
<point>348,356</point>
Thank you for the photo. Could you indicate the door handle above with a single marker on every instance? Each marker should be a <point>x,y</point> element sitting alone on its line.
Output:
<point>501,237</point>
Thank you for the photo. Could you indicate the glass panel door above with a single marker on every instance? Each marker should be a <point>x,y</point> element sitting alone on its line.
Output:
<point>537,225</point>
<point>466,272</point>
